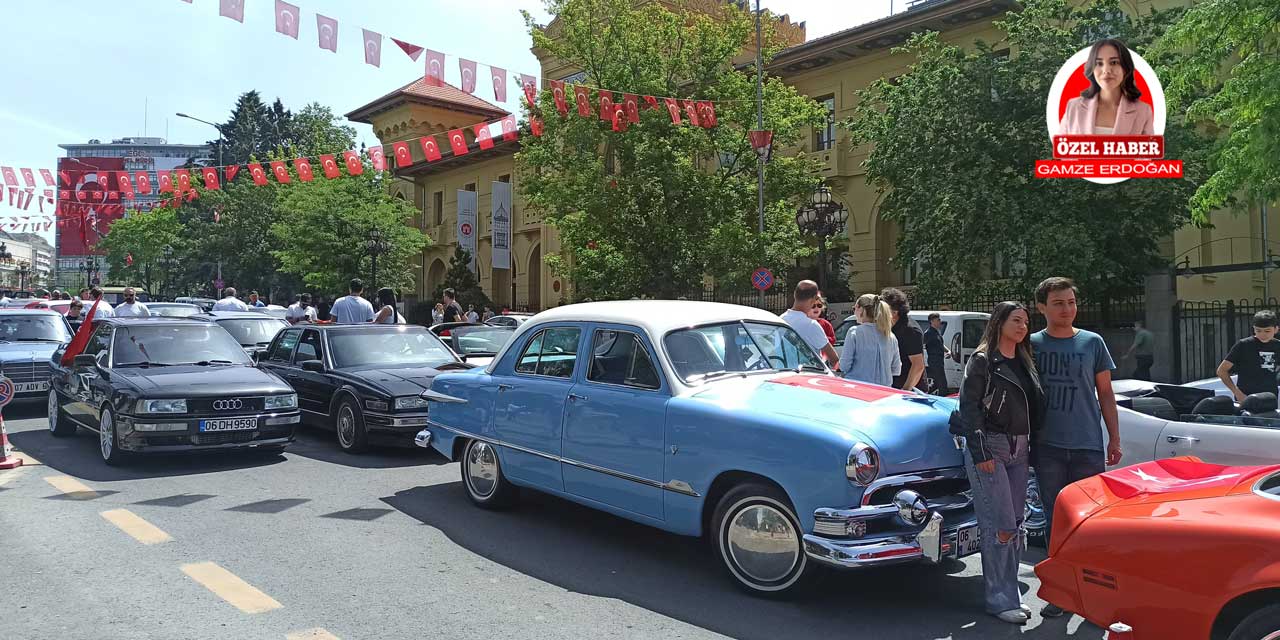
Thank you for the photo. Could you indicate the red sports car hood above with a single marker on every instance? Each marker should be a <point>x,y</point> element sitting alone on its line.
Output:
<point>1170,479</point>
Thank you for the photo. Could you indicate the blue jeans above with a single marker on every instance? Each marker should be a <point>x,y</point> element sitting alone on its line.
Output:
<point>1000,500</point>
<point>1057,467</point>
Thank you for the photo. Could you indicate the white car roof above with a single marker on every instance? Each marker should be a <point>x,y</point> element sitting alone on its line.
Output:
<point>655,316</point>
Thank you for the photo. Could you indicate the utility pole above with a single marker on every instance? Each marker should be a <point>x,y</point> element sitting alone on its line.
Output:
<point>1266,258</point>
<point>760,125</point>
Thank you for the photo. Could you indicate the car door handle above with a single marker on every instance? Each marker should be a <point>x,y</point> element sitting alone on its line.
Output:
<point>574,397</point>
<point>505,387</point>
<point>1175,439</point>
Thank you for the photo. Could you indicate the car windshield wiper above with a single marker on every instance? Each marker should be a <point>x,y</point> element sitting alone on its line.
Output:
<point>711,374</point>
<point>205,363</point>
<point>144,364</point>
<point>805,367</point>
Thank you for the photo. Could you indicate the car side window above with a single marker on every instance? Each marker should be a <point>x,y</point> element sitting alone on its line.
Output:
<point>100,342</point>
<point>553,353</point>
<point>282,350</point>
<point>309,347</point>
<point>619,357</point>
<point>973,333</point>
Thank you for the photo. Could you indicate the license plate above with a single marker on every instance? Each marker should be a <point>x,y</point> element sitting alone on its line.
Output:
<point>229,424</point>
<point>22,387</point>
<point>968,539</point>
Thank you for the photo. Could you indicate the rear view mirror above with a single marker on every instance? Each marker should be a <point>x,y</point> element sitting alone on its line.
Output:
<point>314,366</point>
<point>85,361</point>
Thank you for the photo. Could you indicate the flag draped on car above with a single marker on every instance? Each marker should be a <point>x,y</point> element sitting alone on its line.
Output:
<point>82,336</point>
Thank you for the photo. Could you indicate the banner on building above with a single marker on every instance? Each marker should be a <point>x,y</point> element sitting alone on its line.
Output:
<point>500,225</point>
<point>467,225</point>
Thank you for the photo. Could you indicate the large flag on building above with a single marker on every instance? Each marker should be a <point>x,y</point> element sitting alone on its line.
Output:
<point>467,224</point>
<point>500,224</point>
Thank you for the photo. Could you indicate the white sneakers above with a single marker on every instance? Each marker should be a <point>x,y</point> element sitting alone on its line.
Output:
<point>1014,616</point>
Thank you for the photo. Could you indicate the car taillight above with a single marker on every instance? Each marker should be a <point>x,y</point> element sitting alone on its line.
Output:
<point>1072,507</point>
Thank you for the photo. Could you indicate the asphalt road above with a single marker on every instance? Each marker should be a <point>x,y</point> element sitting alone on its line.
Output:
<point>320,544</point>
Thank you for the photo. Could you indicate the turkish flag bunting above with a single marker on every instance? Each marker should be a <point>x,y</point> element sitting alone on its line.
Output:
<point>535,125</point>
<point>259,176</point>
<point>10,176</point>
<point>327,32</point>
<point>166,182</point>
<point>113,195</point>
<point>124,182</point>
<point>210,175</point>
<point>354,166</point>
<point>483,137</point>
<point>411,50</point>
<point>707,113</point>
<point>103,178</point>
<point>48,177</point>
<point>468,70</point>
<point>64,194</point>
<point>28,177</point>
<point>557,92</point>
<point>379,160</point>
<point>606,106</point>
<point>329,166</point>
<point>582,97</point>
<point>691,112</point>
<point>287,19</point>
<point>232,170</point>
<point>184,180</point>
<point>434,68</point>
<point>509,128</point>
<point>372,48</point>
<point>401,152</point>
<point>458,142</point>
<point>303,167</point>
<point>499,77</point>
<point>144,182</point>
<point>530,85</point>
<point>673,108</point>
<point>281,172</point>
<point>631,103</point>
<point>619,118</point>
<point>762,142</point>
<point>64,178</point>
<point>651,102</point>
<point>430,148</point>
<point>233,9</point>
<point>96,195</point>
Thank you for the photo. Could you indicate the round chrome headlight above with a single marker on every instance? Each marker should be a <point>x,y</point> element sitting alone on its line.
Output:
<point>863,465</point>
<point>911,507</point>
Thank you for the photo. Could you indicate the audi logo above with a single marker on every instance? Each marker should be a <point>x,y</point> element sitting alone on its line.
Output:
<point>227,405</point>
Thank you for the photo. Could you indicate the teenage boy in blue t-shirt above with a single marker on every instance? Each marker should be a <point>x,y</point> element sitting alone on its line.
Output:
<point>1075,369</point>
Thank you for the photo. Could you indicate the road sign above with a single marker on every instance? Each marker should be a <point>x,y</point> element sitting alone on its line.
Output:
<point>6,391</point>
<point>762,279</point>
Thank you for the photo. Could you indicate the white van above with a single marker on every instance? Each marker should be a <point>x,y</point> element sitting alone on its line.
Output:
<point>961,332</point>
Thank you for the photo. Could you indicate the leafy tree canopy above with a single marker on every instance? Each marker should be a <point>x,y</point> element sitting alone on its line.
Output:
<point>144,237</point>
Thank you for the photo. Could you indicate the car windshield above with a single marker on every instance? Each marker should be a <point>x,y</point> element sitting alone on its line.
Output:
<point>172,345</point>
<point>173,310</point>
<point>397,347</point>
<point>842,330</point>
<point>701,352</point>
<point>252,332</point>
<point>33,328</point>
<point>481,339</point>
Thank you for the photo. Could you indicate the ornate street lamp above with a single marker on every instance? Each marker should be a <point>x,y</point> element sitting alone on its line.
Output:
<point>822,217</point>
<point>23,271</point>
<point>376,246</point>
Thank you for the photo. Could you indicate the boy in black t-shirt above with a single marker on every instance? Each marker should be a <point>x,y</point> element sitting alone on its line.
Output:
<point>1254,360</point>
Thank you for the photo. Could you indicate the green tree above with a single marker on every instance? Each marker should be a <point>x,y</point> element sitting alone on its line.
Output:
<point>320,233</point>
<point>463,281</point>
<point>954,142</point>
<point>1227,75</point>
<point>135,248</point>
<point>654,209</point>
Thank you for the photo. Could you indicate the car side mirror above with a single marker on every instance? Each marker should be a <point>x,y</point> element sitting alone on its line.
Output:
<point>314,366</point>
<point>85,361</point>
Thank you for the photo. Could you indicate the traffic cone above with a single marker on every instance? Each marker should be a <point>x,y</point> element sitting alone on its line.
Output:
<point>7,459</point>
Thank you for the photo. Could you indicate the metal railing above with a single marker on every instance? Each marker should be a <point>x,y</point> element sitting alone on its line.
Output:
<point>1205,331</point>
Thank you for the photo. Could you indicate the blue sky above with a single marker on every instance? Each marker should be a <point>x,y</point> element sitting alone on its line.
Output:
<point>78,69</point>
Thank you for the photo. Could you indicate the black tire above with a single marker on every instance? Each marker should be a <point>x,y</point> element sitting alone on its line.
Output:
<point>109,440</point>
<point>760,515</point>
<point>1034,515</point>
<point>1263,623</point>
<point>487,487</point>
<point>59,424</point>
<point>352,437</point>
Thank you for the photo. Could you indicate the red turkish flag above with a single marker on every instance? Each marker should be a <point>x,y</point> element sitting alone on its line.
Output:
<point>233,9</point>
<point>411,50</point>
<point>434,68</point>
<point>530,86</point>
<point>128,259</point>
<point>354,166</point>
<point>166,182</point>
<point>619,118</point>
<point>259,176</point>
<point>232,170</point>
<point>327,32</point>
<point>535,125</point>
<point>606,106</point>
<point>303,167</point>
<point>509,132</point>
<point>582,97</point>
<point>144,182</point>
<point>691,112</point>
<point>210,178</point>
<point>651,102</point>
<point>468,70</point>
<point>28,177</point>
<point>184,180</point>
<point>329,166</point>
<point>10,176</point>
<point>379,160</point>
<point>430,148</point>
<point>499,77</point>
<point>707,113</point>
<point>124,182</point>
<point>557,92</point>
<point>401,152</point>
<point>483,137</point>
<point>631,104</point>
<point>287,19</point>
<point>372,47</point>
<point>64,194</point>
<point>281,172</point>
<point>458,142</point>
<point>673,108</point>
<point>48,177</point>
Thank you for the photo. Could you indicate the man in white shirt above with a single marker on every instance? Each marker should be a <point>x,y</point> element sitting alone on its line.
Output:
<point>131,308</point>
<point>230,302</point>
<point>301,311</point>
<point>352,308</point>
<point>472,316</point>
<point>806,293</point>
<point>104,307</point>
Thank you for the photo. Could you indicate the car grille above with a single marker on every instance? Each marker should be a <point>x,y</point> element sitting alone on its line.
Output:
<point>932,490</point>
<point>205,405</point>
<point>27,371</point>
<point>236,437</point>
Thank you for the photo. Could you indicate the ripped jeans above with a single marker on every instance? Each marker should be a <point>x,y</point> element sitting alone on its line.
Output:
<point>1000,503</point>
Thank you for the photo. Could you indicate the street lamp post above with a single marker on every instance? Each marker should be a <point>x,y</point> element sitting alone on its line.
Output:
<point>376,246</point>
<point>5,255</point>
<point>23,271</point>
<point>221,142</point>
<point>822,217</point>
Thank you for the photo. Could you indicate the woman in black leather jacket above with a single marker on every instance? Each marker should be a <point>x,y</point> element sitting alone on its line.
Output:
<point>1001,408</point>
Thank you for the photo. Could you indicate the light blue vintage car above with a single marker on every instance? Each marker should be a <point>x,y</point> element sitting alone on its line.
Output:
<point>699,417</point>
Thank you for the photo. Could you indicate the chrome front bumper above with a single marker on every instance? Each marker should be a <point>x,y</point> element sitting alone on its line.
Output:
<point>931,544</point>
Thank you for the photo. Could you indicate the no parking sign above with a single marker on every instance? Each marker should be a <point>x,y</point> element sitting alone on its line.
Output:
<point>6,391</point>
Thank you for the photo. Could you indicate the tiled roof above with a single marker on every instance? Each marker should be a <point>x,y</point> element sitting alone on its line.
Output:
<point>445,95</point>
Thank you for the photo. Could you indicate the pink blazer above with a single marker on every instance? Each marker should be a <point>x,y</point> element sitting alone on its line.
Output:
<point>1134,118</point>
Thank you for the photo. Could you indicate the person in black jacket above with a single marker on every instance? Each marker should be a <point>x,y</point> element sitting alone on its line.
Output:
<point>1001,408</point>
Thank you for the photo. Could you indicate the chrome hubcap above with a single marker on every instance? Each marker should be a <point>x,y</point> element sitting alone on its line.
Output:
<point>763,543</point>
<point>53,409</point>
<point>105,432</point>
<point>346,425</point>
<point>1274,635</point>
<point>482,469</point>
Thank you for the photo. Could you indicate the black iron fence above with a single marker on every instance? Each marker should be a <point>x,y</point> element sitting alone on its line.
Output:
<point>1095,314</point>
<point>776,300</point>
<point>1203,333</point>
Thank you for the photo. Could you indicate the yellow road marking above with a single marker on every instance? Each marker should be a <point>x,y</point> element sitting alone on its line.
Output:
<point>71,486</point>
<point>135,526</point>
<point>230,587</point>
<point>28,460</point>
<point>311,634</point>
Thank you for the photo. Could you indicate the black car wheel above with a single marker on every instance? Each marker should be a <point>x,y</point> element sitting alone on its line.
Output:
<point>759,540</point>
<point>108,441</point>
<point>349,423</point>
<point>1263,624</point>
<point>482,475</point>
<point>59,425</point>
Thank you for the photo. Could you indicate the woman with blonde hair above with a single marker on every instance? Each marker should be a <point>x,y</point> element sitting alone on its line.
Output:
<point>870,352</point>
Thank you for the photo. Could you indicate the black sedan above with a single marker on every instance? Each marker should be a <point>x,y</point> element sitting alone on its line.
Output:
<point>361,381</point>
<point>254,330</point>
<point>475,343</point>
<point>154,385</point>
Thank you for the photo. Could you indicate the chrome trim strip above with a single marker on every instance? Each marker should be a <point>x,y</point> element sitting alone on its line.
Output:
<point>911,478</point>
